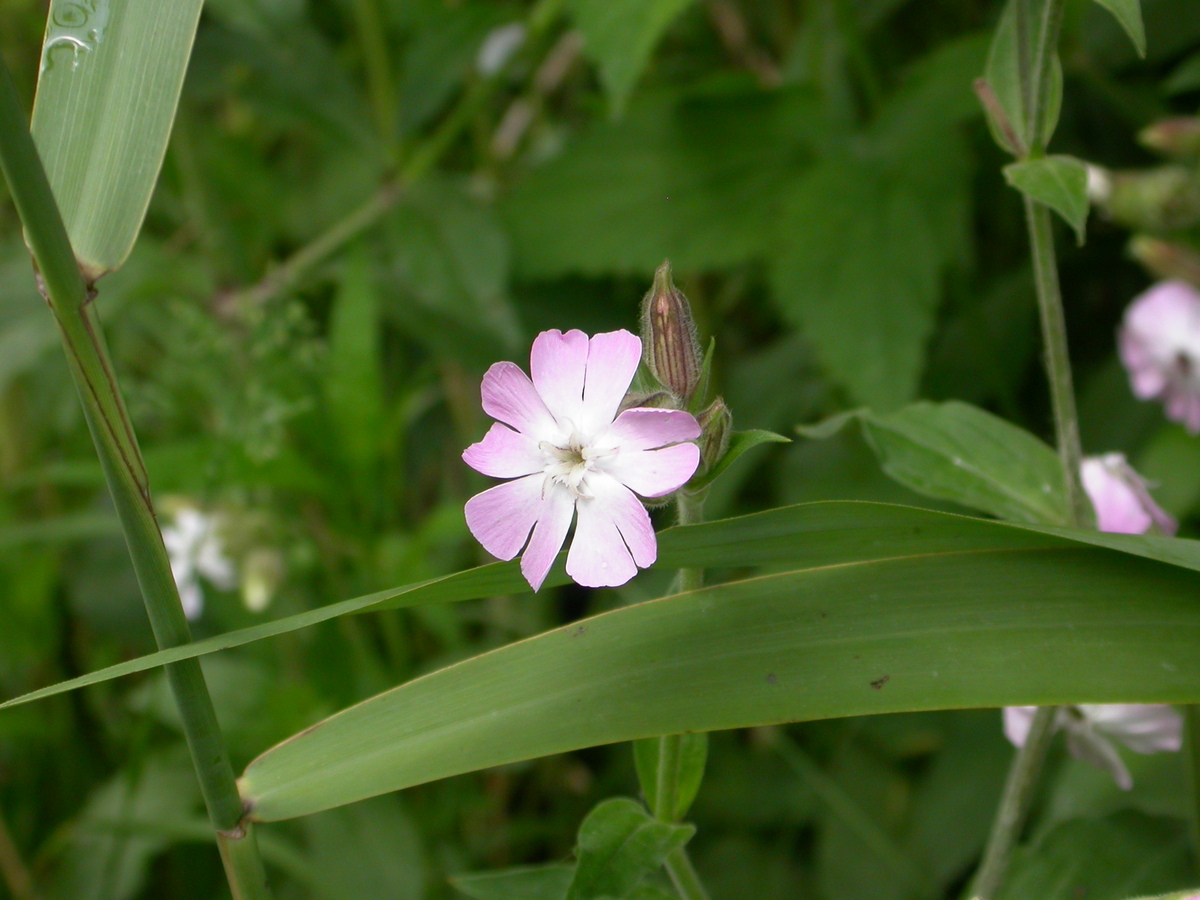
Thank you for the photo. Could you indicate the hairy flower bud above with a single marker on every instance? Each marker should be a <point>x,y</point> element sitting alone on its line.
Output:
<point>1178,136</point>
<point>716,424</point>
<point>1167,260</point>
<point>671,350</point>
<point>1158,200</point>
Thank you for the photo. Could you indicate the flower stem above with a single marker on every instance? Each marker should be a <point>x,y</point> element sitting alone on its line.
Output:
<point>1018,795</point>
<point>679,866</point>
<point>87,356</point>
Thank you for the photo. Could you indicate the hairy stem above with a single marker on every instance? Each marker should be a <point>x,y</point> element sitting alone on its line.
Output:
<point>104,409</point>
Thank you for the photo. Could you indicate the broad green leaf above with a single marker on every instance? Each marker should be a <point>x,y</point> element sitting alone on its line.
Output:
<point>109,85</point>
<point>807,535</point>
<point>1115,858</point>
<point>1129,14</point>
<point>955,451</point>
<point>619,845</point>
<point>620,36</point>
<point>739,443</point>
<point>933,629</point>
<point>1003,74</point>
<point>549,882</point>
<point>864,285</point>
<point>1060,182</point>
<point>693,753</point>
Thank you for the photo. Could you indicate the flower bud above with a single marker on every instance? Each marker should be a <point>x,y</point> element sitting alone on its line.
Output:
<point>1162,199</point>
<point>669,343</point>
<point>716,424</point>
<point>1178,137</point>
<point>1167,260</point>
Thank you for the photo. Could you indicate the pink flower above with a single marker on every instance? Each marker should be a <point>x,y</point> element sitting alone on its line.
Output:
<point>1143,728</point>
<point>571,455</point>
<point>1120,496</point>
<point>1160,347</point>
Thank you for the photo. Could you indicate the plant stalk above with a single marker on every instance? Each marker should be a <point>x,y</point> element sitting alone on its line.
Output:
<point>1018,795</point>
<point>104,410</point>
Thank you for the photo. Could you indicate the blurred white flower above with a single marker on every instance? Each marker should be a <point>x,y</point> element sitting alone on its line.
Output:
<point>1122,498</point>
<point>1159,344</point>
<point>1099,184</point>
<point>498,47</point>
<point>1091,729</point>
<point>194,547</point>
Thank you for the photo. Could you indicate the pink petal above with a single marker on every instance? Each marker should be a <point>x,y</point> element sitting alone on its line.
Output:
<point>598,556</point>
<point>558,507</point>
<point>1142,727</point>
<point>654,473</point>
<point>630,517</point>
<point>646,429</point>
<point>509,396</point>
<point>612,362</point>
<point>501,517</point>
<point>1017,722</point>
<point>504,453</point>
<point>558,362</point>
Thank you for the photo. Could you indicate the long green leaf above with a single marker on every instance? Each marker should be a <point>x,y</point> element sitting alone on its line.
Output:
<point>807,535</point>
<point>932,630</point>
<point>109,85</point>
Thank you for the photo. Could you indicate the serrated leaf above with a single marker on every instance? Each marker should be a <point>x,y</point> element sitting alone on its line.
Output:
<point>549,882</point>
<point>1129,14</point>
<point>111,75</point>
<point>1059,182</point>
<point>1003,74</point>
<point>619,845</point>
<point>620,36</point>
<point>739,443</point>
<point>693,753</point>
<point>864,285</point>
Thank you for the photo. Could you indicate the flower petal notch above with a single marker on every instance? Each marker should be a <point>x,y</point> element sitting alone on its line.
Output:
<point>571,454</point>
<point>1160,347</point>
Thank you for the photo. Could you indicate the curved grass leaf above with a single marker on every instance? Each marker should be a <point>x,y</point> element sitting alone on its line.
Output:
<point>936,629</point>
<point>548,882</point>
<point>1129,14</point>
<point>110,81</point>
<point>806,535</point>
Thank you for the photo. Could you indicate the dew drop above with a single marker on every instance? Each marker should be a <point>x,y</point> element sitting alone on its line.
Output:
<point>76,26</point>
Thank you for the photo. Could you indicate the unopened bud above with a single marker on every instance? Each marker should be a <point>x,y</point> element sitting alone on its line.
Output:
<point>1162,199</point>
<point>716,424</point>
<point>1167,260</point>
<point>1178,137</point>
<point>669,343</point>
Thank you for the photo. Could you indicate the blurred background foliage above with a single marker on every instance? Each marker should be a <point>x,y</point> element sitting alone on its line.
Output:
<point>821,177</point>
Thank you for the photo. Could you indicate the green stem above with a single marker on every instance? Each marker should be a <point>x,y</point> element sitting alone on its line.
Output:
<point>69,299</point>
<point>684,877</point>
<point>1019,791</point>
<point>1191,762</point>
<point>1038,77</point>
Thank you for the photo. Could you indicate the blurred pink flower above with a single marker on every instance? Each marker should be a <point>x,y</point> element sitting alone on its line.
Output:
<point>571,455</point>
<point>1160,347</point>
<point>1143,728</point>
<point>1121,498</point>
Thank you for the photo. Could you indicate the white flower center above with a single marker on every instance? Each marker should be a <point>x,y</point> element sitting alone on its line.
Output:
<point>570,461</point>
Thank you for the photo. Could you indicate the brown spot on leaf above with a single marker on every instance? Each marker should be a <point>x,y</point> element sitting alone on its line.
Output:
<point>878,683</point>
<point>771,679</point>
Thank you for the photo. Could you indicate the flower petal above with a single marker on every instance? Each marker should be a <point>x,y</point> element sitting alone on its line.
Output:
<point>647,429</point>
<point>558,507</point>
<point>558,363</point>
<point>504,453</point>
<point>630,517</point>
<point>501,517</point>
<point>612,362</point>
<point>1017,722</point>
<point>598,556</point>
<point>654,473</point>
<point>1142,727</point>
<point>509,396</point>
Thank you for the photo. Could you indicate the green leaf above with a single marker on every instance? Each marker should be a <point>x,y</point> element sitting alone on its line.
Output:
<point>1003,74</point>
<point>110,81</point>
<point>620,36</point>
<point>370,849</point>
<point>863,286</point>
<point>1003,615</point>
<point>807,535</point>
<point>955,451</point>
<point>1129,14</point>
<point>549,882</point>
<point>693,753</point>
<point>739,443</point>
<point>1060,182</point>
<point>619,845</point>
<point>1102,859</point>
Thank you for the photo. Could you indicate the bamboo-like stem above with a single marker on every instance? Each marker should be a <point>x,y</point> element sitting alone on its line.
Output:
<point>1018,795</point>
<point>87,357</point>
<point>424,157</point>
